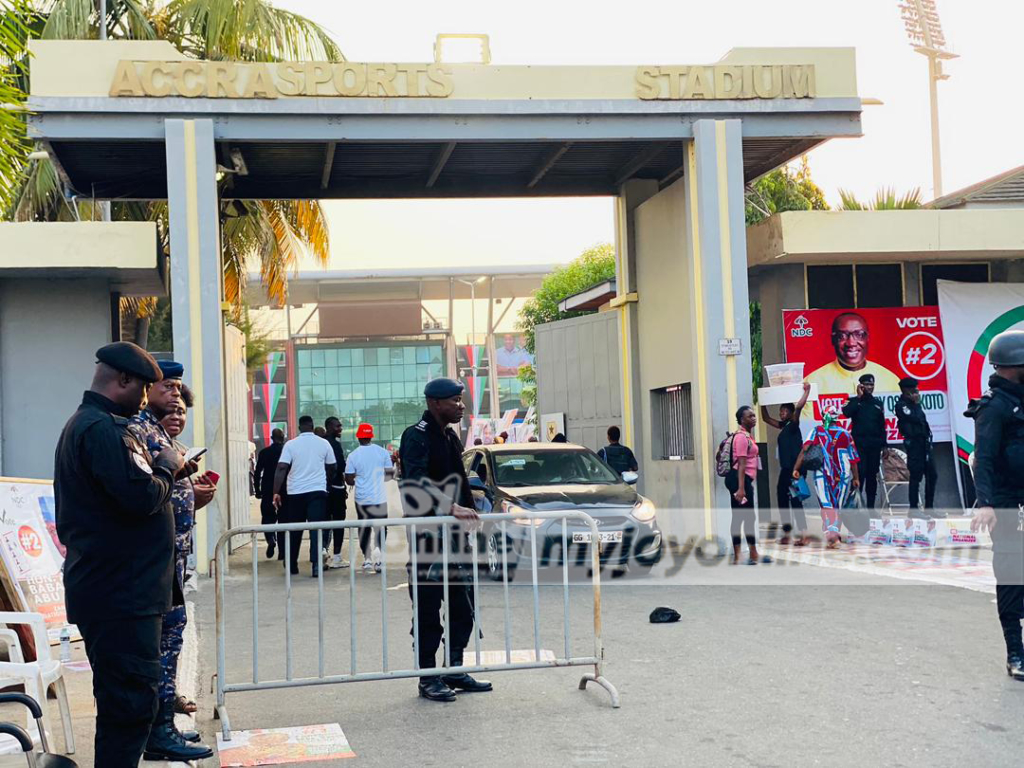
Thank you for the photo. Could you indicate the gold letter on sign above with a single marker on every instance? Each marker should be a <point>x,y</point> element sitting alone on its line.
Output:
<point>220,76</point>
<point>149,80</point>
<point>774,88</point>
<point>647,84</point>
<point>412,74</point>
<point>290,73</point>
<point>440,83</point>
<point>260,84</point>
<point>341,83</point>
<point>316,75</point>
<point>380,76</point>
<point>126,80</point>
<point>799,81</point>
<point>728,82</point>
<point>187,79</point>
<point>698,85</point>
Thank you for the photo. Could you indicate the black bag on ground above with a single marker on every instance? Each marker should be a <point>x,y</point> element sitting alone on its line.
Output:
<point>664,616</point>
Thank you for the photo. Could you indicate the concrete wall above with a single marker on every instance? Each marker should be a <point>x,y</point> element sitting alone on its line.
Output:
<point>49,333</point>
<point>666,357</point>
<point>578,374</point>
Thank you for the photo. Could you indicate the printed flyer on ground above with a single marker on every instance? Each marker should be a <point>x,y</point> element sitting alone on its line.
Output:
<point>838,346</point>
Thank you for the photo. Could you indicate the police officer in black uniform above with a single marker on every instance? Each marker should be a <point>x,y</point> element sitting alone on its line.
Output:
<point>434,484</point>
<point>917,442</point>
<point>867,421</point>
<point>999,484</point>
<point>114,517</point>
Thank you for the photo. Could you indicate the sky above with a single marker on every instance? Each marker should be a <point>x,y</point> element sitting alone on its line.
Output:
<point>980,105</point>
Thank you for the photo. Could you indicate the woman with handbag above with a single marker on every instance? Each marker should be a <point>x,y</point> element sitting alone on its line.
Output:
<point>740,482</point>
<point>830,452</point>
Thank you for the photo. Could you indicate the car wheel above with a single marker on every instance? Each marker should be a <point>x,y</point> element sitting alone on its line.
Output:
<point>495,571</point>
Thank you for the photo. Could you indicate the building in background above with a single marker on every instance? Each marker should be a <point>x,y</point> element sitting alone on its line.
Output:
<point>362,345</point>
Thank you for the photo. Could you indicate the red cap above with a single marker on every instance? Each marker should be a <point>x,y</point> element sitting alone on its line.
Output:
<point>364,432</point>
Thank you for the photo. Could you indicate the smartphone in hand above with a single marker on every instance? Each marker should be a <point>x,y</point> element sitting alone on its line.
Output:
<point>193,454</point>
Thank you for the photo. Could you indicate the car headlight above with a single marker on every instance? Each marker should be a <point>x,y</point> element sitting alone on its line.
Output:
<point>644,511</point>
<point>512,509</point>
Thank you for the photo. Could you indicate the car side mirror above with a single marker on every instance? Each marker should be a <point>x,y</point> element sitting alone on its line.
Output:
<point>630,478</point>
<point>477,484</point>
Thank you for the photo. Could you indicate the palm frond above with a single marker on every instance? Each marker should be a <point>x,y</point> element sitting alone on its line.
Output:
<point>849,201</point>
<point>247,30</point>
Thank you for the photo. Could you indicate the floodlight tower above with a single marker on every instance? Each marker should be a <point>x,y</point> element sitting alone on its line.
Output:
<point>921,20</point>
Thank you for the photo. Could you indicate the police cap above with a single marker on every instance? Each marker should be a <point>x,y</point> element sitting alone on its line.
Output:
<point>171,369</point>
<point>441,389</point>
<point>131,359</point>
<point>908,382</point>
<point>1007,349</point>
<point>867,378</point>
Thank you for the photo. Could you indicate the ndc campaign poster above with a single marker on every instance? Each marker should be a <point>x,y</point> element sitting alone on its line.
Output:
<point>838,346</point>
<point>974,313</point>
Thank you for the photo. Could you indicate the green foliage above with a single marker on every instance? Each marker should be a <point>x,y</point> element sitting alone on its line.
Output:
<point>756,356</point>
<point>14,146</point>
<point>885,200</point>
<point>528,376</point>
<point>592,267</point>
<point>784,189</point>
<point>161,331</point>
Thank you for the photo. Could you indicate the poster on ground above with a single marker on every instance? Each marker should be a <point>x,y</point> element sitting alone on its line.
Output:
<point>281,746</point>
<point>838,346</point>
<point>974,313</point>
<point>31,552</point>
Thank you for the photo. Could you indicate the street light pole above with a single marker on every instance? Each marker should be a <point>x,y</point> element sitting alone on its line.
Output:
<point>924,30</point>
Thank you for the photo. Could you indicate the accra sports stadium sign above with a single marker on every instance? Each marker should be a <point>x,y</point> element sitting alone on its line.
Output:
<point>349,79</point>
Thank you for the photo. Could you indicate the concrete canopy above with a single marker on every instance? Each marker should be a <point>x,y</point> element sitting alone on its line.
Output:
<point>503,132</point>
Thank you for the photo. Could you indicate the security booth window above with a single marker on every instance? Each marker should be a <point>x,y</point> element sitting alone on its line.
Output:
<point>672,423</point>
<point>842,286</point>
<point>976,272</point>
<point>879,285</point>
<point>830,286</point>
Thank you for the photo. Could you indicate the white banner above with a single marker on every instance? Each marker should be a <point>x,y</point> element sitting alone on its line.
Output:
<point>972,313</point>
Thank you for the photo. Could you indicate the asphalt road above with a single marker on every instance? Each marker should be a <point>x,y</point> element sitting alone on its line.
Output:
<point>771,666</point>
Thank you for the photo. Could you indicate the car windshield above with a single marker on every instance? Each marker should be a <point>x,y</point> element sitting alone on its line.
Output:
<point>519,469</point>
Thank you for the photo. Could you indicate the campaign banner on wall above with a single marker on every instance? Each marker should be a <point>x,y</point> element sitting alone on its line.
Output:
<point>974,313</point>
<point>31,552</point>
<point>838,346</point>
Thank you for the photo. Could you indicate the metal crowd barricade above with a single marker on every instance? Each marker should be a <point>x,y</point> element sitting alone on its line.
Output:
<point>224,687</point>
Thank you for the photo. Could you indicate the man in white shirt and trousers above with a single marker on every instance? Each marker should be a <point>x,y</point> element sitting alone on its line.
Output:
<point>308,464</point>
<point>366,469</point>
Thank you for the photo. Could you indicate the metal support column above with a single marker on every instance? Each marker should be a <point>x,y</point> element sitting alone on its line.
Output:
<point>196,296</point>
<point>718,259</point>
<point>631,195</point>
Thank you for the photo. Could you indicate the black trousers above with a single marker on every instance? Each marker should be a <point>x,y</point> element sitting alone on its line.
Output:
<point>789,504</point>
<point>870,464</point>
<point>337,501</point>
<point>743,516</point>
<point>268,515</point>
<point>921,465</point>
<point>1008,568</point>
<point>125,659</point>
<point>430,596</point>
<point>370,512</point>
<point>302,508</point>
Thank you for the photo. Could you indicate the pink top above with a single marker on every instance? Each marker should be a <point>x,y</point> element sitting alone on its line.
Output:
<point>744,445</point>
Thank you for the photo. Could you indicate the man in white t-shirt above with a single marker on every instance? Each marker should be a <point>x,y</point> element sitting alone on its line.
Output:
<point>366,468</point>
<point>308,464</point>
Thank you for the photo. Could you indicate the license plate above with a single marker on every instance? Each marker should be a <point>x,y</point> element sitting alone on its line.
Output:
<point>605,537</point>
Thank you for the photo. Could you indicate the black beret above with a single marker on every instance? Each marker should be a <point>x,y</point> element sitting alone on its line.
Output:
<point>171,369</point>
<point>129,358</point>
<point>441,389</point>
<point>867,378</point>
<point>908,382</point>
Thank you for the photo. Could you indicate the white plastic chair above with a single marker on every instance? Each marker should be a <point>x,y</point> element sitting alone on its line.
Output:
<point>37,676</point>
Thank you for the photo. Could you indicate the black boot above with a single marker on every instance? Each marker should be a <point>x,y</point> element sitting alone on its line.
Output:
<point>1015,666</point>
<point>166,744</point>
<point>433,688</point>
<point>464,682</point>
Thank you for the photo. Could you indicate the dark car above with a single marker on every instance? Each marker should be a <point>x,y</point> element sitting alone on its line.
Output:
<point>543,477</point>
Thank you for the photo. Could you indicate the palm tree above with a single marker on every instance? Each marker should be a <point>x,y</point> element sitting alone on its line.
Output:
<point>13,147</point>
<point>273,233</point>
<point>885,200</point>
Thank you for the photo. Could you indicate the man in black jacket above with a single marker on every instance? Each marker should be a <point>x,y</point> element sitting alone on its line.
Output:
<point>114,516</point>
<point>999,485</point>
<point>867,421</point>
<point>434,484</point>
<point>917,442</point>
<point>263,481</point>
<point>337,494</point>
